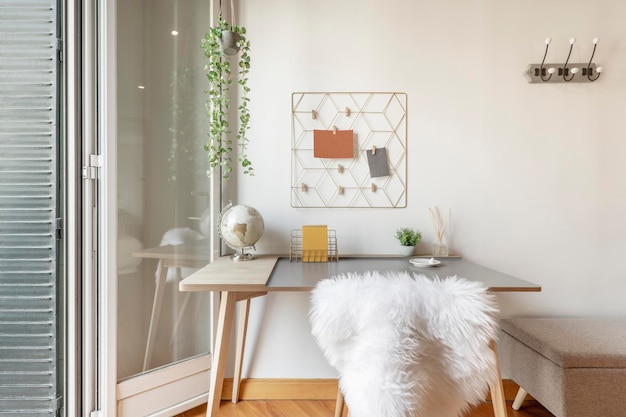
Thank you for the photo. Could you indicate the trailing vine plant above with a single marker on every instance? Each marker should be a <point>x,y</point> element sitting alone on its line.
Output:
<point>219,73</point>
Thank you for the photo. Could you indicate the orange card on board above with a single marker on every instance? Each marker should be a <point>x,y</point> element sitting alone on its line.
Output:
<point>333,143</point>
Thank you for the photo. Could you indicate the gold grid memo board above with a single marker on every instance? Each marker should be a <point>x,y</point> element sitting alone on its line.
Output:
<point>378,120</point>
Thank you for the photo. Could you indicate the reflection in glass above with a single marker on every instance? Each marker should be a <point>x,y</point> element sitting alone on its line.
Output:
<point>162,183</point>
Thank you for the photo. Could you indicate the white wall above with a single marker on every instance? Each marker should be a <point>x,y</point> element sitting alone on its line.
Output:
<point>534,174</point>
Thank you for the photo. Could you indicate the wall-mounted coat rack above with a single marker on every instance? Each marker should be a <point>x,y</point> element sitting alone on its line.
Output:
<point>563,73</point>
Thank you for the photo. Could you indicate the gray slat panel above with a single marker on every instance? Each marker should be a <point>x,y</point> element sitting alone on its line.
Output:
<point>28,136</point>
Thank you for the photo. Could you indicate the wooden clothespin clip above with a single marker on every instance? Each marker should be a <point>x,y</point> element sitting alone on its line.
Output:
<point>374,188</point>
<point>373,150</point>
<point>347,111</point>
<point>313,114</point>
<point>340,169</point>
<point>304,188</point>
<point>340,190</point>
<point>334,130</point>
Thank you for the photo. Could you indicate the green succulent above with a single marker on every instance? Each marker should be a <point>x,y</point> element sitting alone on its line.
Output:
<point>408,236</point>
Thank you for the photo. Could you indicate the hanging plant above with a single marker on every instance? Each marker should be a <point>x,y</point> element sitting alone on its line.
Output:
<point>219,44</point>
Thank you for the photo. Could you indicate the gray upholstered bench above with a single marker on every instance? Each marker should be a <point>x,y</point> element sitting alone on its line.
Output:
<point>573,367</point>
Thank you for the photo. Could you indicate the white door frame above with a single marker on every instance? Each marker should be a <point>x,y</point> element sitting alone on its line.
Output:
<point>107,137</point>
<point>135,396</point>
<point>72,346</point>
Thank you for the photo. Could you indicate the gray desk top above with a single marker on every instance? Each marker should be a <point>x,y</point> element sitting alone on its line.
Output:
<point>298,276</point>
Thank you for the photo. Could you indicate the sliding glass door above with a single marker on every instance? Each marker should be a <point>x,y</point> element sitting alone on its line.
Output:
<point>163,203</point>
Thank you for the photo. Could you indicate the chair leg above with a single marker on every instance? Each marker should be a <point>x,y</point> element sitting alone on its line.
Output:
<point>339,403</point>
<point>519,398</point>
<point>496,388</point>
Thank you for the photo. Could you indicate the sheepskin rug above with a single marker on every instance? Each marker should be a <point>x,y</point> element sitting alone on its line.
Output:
<point>406,345</point>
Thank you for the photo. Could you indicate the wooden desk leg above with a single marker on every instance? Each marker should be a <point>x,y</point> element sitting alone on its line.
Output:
<point>228,301</point>
<point>497,390</point>
<point>156,311</point>
<point>242,328</point>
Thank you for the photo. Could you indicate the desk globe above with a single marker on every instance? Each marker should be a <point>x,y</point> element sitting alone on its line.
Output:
<point>240,227</point>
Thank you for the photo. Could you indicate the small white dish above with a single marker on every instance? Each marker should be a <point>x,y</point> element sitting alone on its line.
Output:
<point>424,262</point>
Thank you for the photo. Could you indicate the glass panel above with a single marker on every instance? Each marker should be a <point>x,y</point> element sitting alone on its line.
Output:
<point>162,183</point>
<point>29,282</point>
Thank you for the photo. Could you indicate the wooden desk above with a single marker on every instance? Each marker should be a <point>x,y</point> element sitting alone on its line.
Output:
<point>242,281</point>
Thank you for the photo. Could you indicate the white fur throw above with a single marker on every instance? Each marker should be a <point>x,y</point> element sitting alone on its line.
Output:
<point>406,345</point>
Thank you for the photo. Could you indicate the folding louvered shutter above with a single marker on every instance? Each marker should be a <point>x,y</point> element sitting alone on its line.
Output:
<point>28,154</point>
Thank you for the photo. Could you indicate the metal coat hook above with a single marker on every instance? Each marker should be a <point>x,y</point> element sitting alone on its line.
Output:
<point>589,69</point>
<point>574,70</point>
<point>551,70</point>
<point>568,72</point>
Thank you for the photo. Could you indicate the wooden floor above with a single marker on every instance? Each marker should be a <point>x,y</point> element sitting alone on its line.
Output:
<point>288,408</point>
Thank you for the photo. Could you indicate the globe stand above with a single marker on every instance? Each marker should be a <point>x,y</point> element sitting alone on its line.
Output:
<point>240,227</point>
<point>240,257</point>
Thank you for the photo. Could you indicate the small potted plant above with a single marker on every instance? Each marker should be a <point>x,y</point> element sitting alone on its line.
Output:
<point>219,73</point>
<point>408,239</point>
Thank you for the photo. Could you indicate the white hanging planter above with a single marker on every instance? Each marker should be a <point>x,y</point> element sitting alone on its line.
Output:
<point>229,42</point>
<point>230,38</point>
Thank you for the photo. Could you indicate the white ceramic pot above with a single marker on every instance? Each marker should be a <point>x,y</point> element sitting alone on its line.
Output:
<point>407,250</point>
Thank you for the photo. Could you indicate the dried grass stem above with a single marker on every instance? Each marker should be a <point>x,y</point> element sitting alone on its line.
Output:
<point>439,223</point>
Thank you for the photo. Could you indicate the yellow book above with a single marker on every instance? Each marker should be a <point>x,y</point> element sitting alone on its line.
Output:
<point>315,243</point>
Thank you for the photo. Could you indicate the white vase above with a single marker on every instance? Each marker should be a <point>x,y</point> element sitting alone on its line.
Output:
<point>407,250</point>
